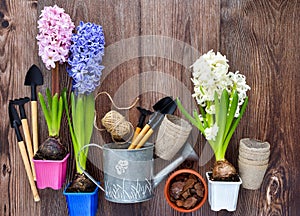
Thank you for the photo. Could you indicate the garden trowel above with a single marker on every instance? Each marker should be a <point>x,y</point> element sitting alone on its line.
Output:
<point>154,121</point>
<point>34,78</point>
<point>140,125</point>
<point>157,107</point>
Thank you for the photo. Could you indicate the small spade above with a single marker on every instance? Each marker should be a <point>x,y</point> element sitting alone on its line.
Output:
<point>158,106</point>
<point>34,78</point>
<point>140,125</point>
<point>167,106</point>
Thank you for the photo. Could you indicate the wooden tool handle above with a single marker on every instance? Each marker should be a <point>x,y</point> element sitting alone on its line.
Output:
<point>145,138</point>
<point>28,145</point>
<point>28,171</point>
<point>136,133</point>
<point>139,137</point>
<point>34,126</point>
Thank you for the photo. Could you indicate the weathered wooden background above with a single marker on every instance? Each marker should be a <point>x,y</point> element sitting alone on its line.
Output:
<point>260,39</point>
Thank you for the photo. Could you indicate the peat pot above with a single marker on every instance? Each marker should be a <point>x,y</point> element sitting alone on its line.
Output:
<point>253,162</point>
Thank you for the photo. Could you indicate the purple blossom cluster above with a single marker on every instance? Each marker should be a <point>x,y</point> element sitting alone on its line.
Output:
<point>54,37</point>
<point>85,57</point>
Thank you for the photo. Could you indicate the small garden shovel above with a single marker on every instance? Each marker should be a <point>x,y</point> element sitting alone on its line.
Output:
<point>33,78</point>
<point>154,121</point>
<point>140,125</point>
<point>15,123</point>
<point>157,107</point>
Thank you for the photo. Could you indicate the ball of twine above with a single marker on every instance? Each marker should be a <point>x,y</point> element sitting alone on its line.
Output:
<point>116,125</point>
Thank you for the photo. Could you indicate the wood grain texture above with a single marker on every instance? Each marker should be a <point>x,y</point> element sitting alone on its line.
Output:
<point>149,48</point>
<point>264,49</point>
<point>17,46</point>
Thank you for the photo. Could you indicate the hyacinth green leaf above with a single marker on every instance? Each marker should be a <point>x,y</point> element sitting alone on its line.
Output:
<point>45,111</point>
<point>73,112</point>
<point>202,111</point>
<point>79,120</point>
<point>209,119</point>
<point>71,129</point>
<point>59,114</point>
<point>75,141</point>
<point>78,123</point>
<point>89,110</point>
<point>199,123</point>
<point>54,117</point>
<point>65,102</point>
<point>234,125</point>
<point>221,115</point>
<point>74,116</point>
<point>89,117</point>
<point>73,105</point>
<point>49,99</point>
<point>232,110</point>
<point>52,111</point>
<point>217,107</point>
<point>187,115</point>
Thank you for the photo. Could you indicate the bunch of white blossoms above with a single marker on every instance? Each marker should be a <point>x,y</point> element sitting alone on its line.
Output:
<point>210,75</point>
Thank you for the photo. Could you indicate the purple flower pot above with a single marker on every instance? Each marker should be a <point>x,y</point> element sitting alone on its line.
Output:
<point>51,173</point>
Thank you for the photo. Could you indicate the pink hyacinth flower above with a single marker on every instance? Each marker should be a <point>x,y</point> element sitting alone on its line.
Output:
<point>54,37</point>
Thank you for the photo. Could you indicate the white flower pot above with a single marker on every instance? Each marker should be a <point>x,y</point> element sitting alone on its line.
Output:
<point>223,195</point>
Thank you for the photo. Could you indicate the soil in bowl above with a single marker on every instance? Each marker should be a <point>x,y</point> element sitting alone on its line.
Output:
<point>186,191</point>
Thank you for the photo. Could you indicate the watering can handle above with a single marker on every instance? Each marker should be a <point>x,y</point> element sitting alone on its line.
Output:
<point>79,165</point>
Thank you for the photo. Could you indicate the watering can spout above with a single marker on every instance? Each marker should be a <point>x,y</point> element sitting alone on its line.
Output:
<point>186,153</point>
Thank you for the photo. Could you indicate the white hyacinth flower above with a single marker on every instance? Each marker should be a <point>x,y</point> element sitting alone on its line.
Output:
<point>210,75</point>
<point>211,132</point>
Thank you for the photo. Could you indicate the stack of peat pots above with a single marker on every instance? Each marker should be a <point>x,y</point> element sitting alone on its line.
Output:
<point>253,162</point>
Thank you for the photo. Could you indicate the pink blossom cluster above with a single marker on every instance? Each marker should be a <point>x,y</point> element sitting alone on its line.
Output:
<point>54,37</point>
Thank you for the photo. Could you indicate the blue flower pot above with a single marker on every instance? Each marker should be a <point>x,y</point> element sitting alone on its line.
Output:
<point>80,204</point>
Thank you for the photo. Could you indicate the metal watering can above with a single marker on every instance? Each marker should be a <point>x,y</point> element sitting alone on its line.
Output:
<point>128,174</point>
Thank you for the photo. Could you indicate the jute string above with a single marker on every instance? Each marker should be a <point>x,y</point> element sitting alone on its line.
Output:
<point>115,123</point>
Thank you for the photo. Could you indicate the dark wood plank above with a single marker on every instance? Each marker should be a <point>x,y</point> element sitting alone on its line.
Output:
<point>178,27</point>
<point>259,39</point>
<point>122,23</point>
<point>17,46</point>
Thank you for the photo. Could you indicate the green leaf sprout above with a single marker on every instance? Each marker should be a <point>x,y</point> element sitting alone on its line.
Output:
<point>52,112</point>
